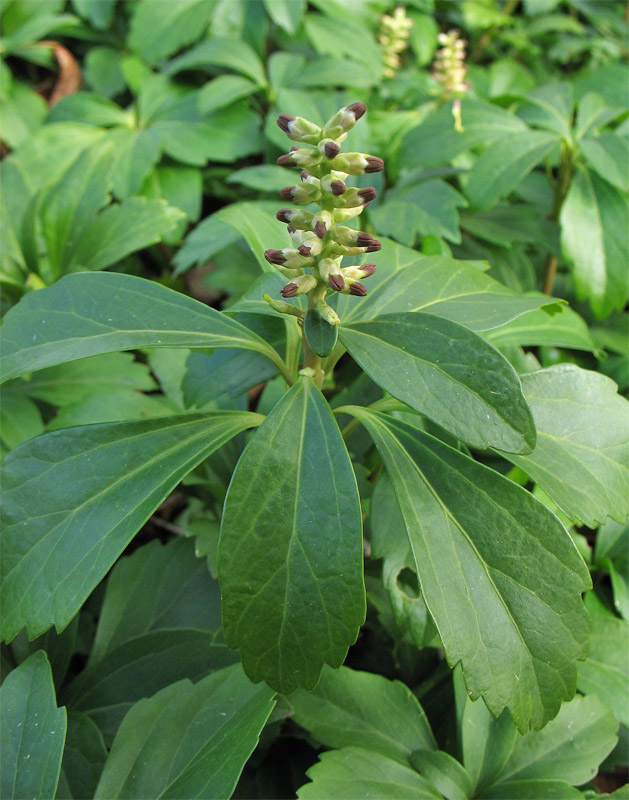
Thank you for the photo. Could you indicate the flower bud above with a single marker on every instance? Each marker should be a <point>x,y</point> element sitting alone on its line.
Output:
<point>330,183</point>
<point>357,163</point>
<point>289,258</point>
<point>350,237</point>
<point>322,221</point>
<point>299,129</point>
<point>312,247</point>
<point>355,197</point>
<point>301,285</point>
<point>330,271</point>
<point>296,217</point>
<point>343,214</point>
<point>354,287</point>
<point>300,157</point>
<point>284,308</point>
<point>302,194</point>
<point>344,120</point>
<point>328,147</point>
<point>358,273</point>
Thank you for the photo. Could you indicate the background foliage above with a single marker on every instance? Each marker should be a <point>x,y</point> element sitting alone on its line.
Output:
<point>139,142</point>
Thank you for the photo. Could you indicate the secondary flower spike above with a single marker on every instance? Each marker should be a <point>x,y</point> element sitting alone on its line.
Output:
<point>320,238</point>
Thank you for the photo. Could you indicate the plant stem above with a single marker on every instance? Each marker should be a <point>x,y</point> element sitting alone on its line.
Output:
<point>311,359</point>
<point>561,190</point>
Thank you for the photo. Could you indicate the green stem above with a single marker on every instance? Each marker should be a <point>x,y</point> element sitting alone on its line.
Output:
<point>311,359</point>
<point>566,169</point>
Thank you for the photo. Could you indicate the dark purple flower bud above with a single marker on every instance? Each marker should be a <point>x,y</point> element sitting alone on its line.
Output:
<point>338,188</point>
<point>285,160</point>
<point>290,290</point>
<point>367,195</point>
<point>374,164</point>
<point>304,174</point>
<point>290,229</point>
<point>304,249</point>
<point>363,239</point>
<point>320,229</point>
<point>284,214</point>
<point>357,109</point>
<point>331,149</point>
<point>373,246</point>
<point>283,121</point>
<point>356,289</point>
<point>276,257</point>
<point>367,270</point>
<point>287,193</point>
<point>336,282</point>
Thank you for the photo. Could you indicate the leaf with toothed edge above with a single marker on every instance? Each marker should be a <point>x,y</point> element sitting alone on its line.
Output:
<point>499,573</point>
<point>290,560</point>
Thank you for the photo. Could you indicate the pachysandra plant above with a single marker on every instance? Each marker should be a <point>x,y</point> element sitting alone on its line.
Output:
<point>395,30</point>
<point>499,575</point>
<point>449,70</point>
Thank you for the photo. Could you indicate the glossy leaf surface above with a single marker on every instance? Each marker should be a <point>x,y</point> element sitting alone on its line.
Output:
<point>499,573</point>
<point>33,731</point>
<point>87,314</point>
<point>358,708</point>
<point>353,773</point>
<point>74,498</point>
<point>187,741</point>
<point>321,336</point>
<point>582,455</point>
<point>446,372</point>
<point>290,558</point>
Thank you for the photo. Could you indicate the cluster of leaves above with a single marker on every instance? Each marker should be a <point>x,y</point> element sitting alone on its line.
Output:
<point>469,420</point>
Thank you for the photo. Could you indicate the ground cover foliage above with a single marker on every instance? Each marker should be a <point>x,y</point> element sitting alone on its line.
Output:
<point>275,523</point>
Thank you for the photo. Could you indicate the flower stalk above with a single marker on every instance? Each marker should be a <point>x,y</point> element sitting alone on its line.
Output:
<point>449,70</point>
<point>320,239</point>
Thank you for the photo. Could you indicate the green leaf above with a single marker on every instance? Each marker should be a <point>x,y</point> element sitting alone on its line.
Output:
<point>99,13</point>
<point>604,674</point>
<point>33,731</point>
<point>88,314</point>
<point>593,240</point>
<point>20,419</point>
<point>582,442</point>
<point>389,542</point>
<point>157,587</point>
<point>140,667</point>
<point>83,757</point>
<point>258,226</point>
<point>232,54</point>
<point>570,748</point>
<point>119,406</point>
<point>436,142</point>
<point>159,30</point>
<point>502,166</point>
<point>209,237</point>
<point>92,109</point>
<point>320,335</point>
<point>223,91</point>
<point>532,790</point>
<point>268,178</point>
<point>444,772</point>
<point>187,741</point>
<point>133,225</point>
<point>291,577</point>
<point>449,288</point>
<point>518,640</point>
<point>550,107</point>
<point>286,13</point>
<point>487,741</point>
<point>74,498</point>
<point>354,773</point>
<point>23,112</point>
<point>422,209</point>
<point>607,155</point>
<point>446,372</point>
<point>68,383</point>
<point>539,327</point>
<point>137,152</point>
<point>369,711</point>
